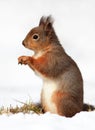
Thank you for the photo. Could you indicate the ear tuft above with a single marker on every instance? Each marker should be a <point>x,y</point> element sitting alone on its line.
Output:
<point>44,21</point>
<point>49,20</point>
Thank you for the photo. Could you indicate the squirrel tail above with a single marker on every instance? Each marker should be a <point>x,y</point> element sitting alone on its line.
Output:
<point>88,107</point>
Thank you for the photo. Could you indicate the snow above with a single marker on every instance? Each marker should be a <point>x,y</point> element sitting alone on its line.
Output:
<point>75,27</point>
<point>48,121</point>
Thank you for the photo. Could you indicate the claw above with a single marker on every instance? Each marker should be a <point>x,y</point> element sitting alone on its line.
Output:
<point>19,63</point>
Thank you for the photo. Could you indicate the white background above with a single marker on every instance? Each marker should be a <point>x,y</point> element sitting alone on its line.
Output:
<point>75,27</point>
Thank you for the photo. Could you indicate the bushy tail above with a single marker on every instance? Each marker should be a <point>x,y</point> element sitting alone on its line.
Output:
<point>88,107</point>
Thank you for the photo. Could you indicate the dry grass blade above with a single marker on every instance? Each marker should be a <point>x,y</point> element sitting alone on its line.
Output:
<point>25,108</point>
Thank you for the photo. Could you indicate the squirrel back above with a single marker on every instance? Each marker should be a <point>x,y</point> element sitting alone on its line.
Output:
<point>62,91</point>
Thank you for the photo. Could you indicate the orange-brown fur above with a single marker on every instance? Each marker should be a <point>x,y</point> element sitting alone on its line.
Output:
<point>66,102</point>
<point>62,92</point>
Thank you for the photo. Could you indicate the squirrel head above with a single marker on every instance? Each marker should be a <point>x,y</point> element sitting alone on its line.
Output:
<point>42,36</point>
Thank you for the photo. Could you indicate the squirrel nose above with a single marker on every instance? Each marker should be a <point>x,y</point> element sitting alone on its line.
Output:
<point>23,43</point>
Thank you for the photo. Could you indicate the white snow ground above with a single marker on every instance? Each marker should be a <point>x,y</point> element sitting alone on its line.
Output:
<point>75,27</point>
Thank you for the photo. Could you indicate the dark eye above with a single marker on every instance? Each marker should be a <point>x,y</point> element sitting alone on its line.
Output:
<point>35,36</point>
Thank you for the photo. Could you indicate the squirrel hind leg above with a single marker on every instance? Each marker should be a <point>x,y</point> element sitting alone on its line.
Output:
<point>68,108</point>
<point>65,105</point>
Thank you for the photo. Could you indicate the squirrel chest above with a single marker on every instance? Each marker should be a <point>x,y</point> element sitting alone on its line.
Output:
<point>49,87</point>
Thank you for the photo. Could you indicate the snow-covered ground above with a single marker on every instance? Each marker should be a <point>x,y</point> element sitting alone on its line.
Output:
<point>82,121</point>
<point>75,27</point>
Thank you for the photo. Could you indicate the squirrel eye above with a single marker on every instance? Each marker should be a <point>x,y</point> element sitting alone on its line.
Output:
<point>35,36</point>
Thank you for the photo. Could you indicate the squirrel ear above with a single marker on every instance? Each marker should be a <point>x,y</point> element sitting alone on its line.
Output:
<point>48,23</point>
<point>42,21</point>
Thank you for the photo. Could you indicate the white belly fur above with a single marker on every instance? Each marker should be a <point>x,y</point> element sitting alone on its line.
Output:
<point>49,87</point>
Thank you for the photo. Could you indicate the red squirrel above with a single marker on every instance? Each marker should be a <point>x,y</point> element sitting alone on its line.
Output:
<point>62,91</point>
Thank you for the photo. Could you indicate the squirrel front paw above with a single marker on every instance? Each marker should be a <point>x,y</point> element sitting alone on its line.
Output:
<point>23,60</point>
